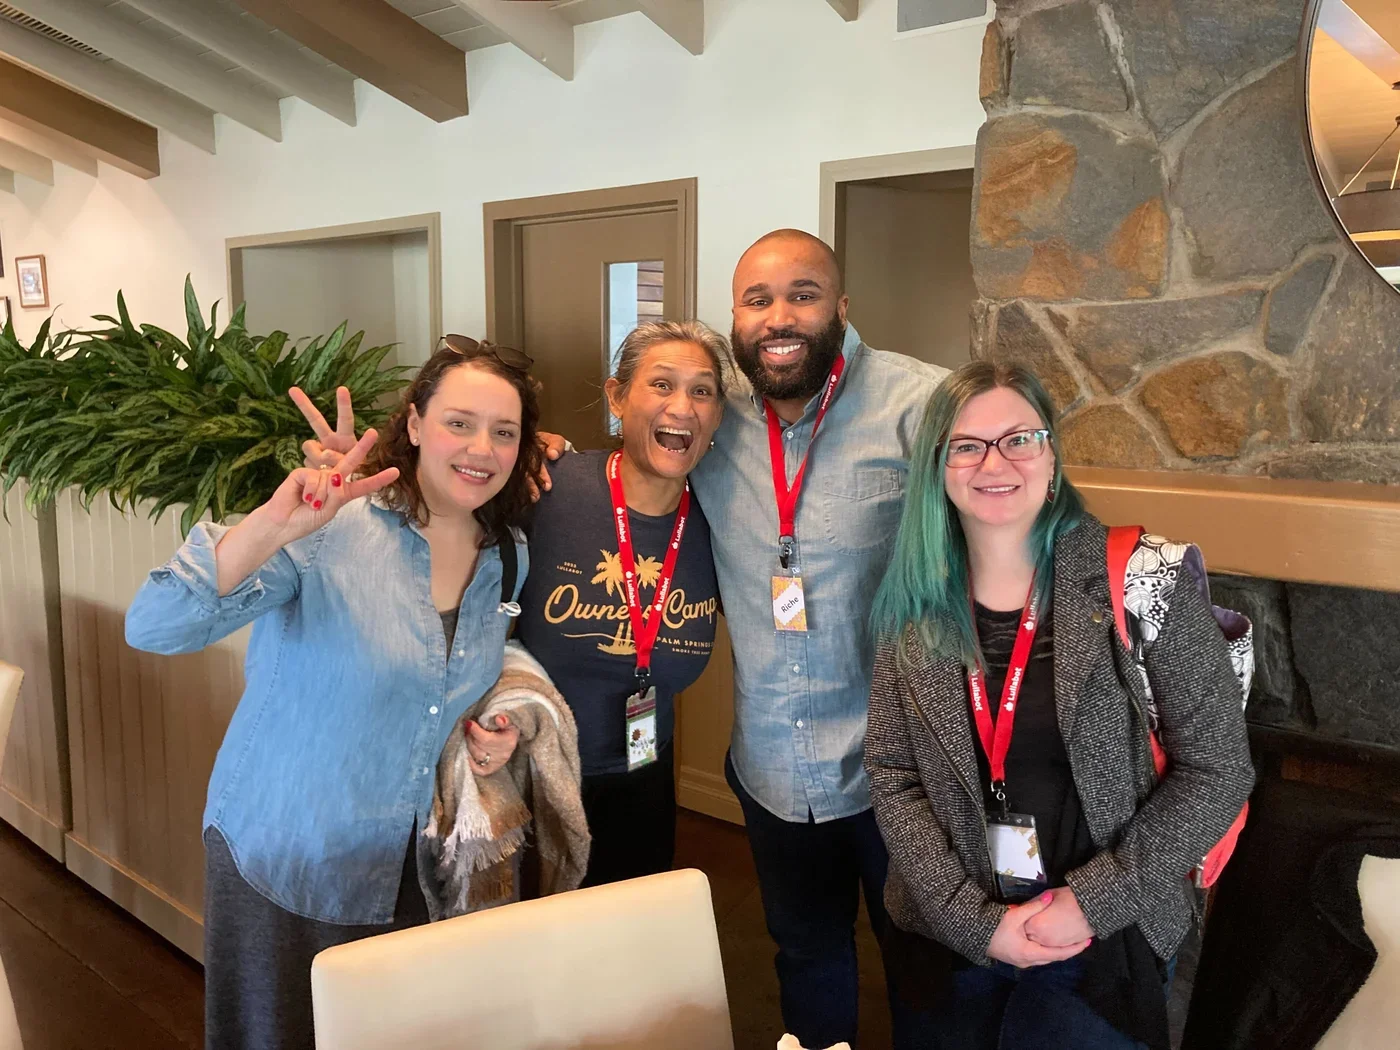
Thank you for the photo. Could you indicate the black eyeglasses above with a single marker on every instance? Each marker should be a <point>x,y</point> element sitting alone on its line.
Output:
<point>507,355</point>
<point>1019,445</point>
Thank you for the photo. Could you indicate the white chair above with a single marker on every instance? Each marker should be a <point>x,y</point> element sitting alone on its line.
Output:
<point>1372,1018</point>
<point>630,966</point>
<point>10,680</point>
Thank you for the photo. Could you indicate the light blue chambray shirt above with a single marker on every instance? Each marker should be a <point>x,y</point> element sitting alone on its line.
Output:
<point>351,693</point>
<point>800,699</point>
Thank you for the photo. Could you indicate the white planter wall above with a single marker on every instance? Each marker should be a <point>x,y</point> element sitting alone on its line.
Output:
<point>142,729</point>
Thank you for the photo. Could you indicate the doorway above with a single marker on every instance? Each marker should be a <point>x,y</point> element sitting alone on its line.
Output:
<point>384,277</point>
<point>900,226</point>
<point>569,275</point>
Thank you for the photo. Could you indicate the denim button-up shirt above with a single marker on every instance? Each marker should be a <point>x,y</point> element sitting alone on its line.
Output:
<point>332,752</point>
<point>800,698</point>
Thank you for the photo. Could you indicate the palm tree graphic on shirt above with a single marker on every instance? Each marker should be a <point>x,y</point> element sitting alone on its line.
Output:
<point>609,574</point>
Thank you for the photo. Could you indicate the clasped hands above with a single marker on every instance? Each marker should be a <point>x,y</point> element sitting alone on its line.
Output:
<point>1050,928</point>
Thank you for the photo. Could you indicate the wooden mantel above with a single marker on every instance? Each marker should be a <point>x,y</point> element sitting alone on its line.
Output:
<point>1341,533</point>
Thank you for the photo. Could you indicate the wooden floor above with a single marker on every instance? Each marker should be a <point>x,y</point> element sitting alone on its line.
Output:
<point>86,976</point>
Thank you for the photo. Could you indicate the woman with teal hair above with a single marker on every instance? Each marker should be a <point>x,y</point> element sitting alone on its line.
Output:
<point>1037,864</point>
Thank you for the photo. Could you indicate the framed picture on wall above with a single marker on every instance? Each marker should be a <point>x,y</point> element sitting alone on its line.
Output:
<point>4,310</point>
<point>33,280</point>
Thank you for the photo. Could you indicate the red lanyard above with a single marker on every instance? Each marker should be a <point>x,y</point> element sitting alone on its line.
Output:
<point>787,496</point>
<point>645,626</point>
<point>996,742</point>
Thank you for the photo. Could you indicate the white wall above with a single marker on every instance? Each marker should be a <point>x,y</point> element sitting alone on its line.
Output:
<point>783,85</point>
<point>412,301</point>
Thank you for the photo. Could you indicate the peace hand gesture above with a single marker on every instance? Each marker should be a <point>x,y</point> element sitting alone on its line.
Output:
<point>308,499</point>
<point>330,445</point>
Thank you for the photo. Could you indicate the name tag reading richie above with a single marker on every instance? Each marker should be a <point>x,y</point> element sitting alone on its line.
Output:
<point>789,605</point>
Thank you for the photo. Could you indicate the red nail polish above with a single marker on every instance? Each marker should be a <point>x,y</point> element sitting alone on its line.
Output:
<point>316,505</point>
<point>335,480</point>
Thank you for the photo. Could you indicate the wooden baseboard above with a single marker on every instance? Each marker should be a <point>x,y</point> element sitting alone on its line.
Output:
<point>169,918</point>
<point>33,825</point>
<point>709,794</point>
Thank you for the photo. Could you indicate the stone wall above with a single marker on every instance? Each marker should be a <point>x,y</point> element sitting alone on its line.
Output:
<point>1147,235</point>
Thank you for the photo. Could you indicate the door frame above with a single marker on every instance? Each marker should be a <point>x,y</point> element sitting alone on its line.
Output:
<point>428,222</point>
<point>836,173</point>
<point>503,222</point>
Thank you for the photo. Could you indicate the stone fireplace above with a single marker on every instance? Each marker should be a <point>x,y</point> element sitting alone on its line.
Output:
<point>1149,236</point>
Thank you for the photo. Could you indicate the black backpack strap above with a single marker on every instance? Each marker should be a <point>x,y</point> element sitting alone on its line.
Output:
<point>510,567</point>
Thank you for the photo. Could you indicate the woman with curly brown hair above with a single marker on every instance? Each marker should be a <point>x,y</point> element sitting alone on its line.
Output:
<point>621,604</point>
<point>376,623</point>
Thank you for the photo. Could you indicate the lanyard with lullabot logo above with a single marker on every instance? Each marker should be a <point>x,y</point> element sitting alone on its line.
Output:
<point>996,742</point>
<point>787,495</point>
<point>645,625</point>
<point>789,599</point>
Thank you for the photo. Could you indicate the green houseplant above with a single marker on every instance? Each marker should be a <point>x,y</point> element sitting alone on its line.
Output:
<point>137,414</point>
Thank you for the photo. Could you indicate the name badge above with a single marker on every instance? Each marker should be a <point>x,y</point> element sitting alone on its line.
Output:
<point>789,604</point>
<point>1016,859</point>
<point>641,729</point>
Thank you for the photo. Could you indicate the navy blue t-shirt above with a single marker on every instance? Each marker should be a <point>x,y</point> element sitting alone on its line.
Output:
<point>574,616</point>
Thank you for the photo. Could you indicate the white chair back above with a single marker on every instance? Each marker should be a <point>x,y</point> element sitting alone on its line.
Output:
<point>1371,1021</point>
<point>630,966</point>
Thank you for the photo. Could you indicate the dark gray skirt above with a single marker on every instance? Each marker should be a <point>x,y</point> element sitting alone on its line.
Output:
<point>257,956</point>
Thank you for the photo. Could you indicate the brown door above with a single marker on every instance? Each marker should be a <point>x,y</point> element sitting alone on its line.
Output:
<point>585,282</point>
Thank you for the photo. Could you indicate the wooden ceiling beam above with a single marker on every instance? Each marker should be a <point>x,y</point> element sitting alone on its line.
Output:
<point>24,162</point>
<point>196,79</point>
<point>75,120</point>
<point>7,181</point>
<point>47,146</point>
<point>279,62</point>
<point>378,43</point>
<point>542,33</point>
<point>682,20</point>
<point>113,85</point>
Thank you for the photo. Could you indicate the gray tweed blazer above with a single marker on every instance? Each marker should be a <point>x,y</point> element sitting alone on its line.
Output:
<point>928,802</point>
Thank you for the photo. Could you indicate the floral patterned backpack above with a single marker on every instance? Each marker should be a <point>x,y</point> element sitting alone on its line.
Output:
<point>1143,571</point>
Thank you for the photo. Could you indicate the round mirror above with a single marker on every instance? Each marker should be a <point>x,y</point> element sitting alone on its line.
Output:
<point>1353,95</point>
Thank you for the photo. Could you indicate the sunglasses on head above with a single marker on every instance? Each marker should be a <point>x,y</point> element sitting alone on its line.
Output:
<point>468,347</point>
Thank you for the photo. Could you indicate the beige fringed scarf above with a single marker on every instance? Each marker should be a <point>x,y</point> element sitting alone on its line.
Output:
<point>480,823</point>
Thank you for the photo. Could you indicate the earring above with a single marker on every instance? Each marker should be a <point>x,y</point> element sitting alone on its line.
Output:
<point>1050,493</point>
<point>712,444</point>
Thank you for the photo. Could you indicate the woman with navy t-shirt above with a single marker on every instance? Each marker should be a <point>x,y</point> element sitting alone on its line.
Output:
<point>621,601</point>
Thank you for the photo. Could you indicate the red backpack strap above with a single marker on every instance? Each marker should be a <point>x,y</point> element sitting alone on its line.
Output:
<point>1122,541</point>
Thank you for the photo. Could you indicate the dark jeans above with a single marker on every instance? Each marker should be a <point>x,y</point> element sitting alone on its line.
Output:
<point>632,818</point>
<point>1003,1008</point>
<point>810,877</point>
<point>958,1006</point>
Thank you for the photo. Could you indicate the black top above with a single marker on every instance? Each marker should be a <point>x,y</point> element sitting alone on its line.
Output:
<point>1121,978</point>
<point>449,627</point>
<point>1039,780</point>
<point>574,616</point>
